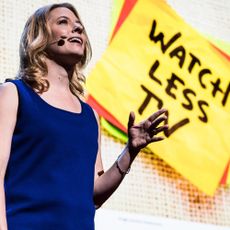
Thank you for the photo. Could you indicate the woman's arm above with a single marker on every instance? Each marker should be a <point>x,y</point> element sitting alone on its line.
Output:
<point>8,114</point>
<point>140,135</point>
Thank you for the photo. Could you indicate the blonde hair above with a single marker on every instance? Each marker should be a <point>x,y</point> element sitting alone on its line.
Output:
<point>34,41</point>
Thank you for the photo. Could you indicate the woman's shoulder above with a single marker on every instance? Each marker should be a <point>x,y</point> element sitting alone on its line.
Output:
<point>12,81</point>
<point>8,105</point>
<point>8,88</point>
<point>8,94</point>
<point>84,101</point>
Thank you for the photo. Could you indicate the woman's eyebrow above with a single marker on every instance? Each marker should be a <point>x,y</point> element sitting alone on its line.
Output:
<point>77,20</point>
<point>63,17</point>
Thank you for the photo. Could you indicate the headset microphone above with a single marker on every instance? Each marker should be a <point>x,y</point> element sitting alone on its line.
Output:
<point>61,42</point>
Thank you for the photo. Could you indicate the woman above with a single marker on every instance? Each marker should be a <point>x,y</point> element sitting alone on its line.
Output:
<point>50,162</point>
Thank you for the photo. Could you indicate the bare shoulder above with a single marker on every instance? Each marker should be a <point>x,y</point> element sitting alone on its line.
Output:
<point>8,87</point>
<point>8,96</point>
<point>8,116</point>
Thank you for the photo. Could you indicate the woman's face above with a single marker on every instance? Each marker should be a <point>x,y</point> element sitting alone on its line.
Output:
<point>65,26</point>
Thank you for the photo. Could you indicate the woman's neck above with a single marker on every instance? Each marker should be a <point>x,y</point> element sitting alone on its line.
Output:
<point>57,75</point>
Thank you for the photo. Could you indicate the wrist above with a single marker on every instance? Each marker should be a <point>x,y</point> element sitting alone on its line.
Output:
<point>132,150</point>
<point>124,161</point>
<point>121,171</point>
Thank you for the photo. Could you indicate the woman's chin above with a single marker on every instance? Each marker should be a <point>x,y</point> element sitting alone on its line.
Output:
<point>68,58</point>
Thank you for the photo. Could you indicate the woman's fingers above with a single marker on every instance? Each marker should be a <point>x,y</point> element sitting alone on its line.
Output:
<point>155,139</point>
<point>156,122</point>
<point>162,128</point>
<point>158,130</point>
<point>157,118</point>
<point>156,114</point>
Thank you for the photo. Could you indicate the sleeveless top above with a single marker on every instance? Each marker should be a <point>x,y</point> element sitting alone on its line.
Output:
<point>50,173</point>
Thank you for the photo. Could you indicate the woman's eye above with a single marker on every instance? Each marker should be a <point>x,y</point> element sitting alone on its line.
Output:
<point>63,21</point>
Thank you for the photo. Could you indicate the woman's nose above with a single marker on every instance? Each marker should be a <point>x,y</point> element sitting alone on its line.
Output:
<point>77,29</point>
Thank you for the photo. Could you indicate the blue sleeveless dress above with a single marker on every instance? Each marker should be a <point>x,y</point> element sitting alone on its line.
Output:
<point>50,174</point>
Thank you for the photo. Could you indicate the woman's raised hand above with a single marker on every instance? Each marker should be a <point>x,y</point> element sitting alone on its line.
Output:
<point>140,135</point>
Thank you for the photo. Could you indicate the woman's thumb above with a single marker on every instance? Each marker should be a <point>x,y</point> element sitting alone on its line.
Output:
<point>131,119</point>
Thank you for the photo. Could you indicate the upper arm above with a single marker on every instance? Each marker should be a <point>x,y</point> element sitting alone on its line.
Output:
<point>98,164</point>
<point>8,115</point>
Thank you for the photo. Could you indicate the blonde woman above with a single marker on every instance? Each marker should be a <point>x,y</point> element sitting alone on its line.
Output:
<point>51,173</point>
